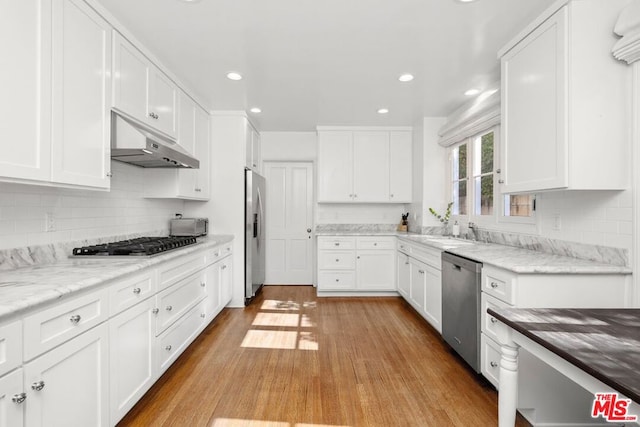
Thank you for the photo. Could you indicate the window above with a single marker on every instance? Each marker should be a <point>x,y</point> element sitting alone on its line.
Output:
<point>459,178</point>
<point>483,174</point>
<point>474,162</point>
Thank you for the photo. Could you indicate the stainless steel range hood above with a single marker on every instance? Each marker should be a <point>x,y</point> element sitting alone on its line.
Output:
<point>135,143</point>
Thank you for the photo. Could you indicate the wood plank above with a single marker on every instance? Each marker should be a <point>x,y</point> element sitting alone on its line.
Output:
<point>346,362</point>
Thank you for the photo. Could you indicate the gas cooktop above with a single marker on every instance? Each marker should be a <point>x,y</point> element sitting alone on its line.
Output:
<point>141,246</point>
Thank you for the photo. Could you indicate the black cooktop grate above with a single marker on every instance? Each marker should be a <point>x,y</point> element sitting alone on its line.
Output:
<point>141,246</point>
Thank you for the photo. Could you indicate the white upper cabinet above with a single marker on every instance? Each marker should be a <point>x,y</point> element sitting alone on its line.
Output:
<point>254,158</point>
<point>364,166</point>
<point>190,184</point>
<point>55,106</point>
<point>81,95</point>
<point>186,122</point>
<point>141,90</point>
<point>335,166</point>
<point>25,104</point>
<point>565,99</point>
<point>400,176</point>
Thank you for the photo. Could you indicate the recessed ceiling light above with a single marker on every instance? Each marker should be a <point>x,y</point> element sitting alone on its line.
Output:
<point>234,76</point>
<point>406,77</point>
<point>466,1</point>
<point>255,110</point>
<point>383,111</point>
<point>190,1</point>
<point>472,92</point>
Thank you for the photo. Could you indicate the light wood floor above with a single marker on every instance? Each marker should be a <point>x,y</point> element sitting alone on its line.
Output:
<point>294,360</point>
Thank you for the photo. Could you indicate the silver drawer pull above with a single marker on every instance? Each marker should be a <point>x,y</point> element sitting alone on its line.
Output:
<point>493,364</point>
<point>337,280</point>
<point>337,244</point>
<point>75,319</point>
<point>494,320</point>
<point>224,266</point>
<point>168,348</point>
<point>421,271</point>
<point>169,308</point>
<point>337,259</point>
<point>37,386</point>
<point>494,285</point>
<point>136,290</point>
<point>202,315</point>
<point>203,284</point>
<point>155,310</point>
<point>19,398</point>
<point>375,244</point>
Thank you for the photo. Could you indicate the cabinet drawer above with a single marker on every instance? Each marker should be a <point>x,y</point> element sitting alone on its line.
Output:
<point>488,321</point>
<point>433,257</point>
<point>179,269</point>
<point>490,360</point>
<point>128,293</point>
<point>51,327</point>
<point>217,253</point>
<point>499,284</point>
<point>336,260</point>
<point>338,280</point>
<point>178,299</point>
<point>403,247</point>
<point>10,346</point>
<point>173,342</point>
<point>375,243</point>
<point>336,242</point>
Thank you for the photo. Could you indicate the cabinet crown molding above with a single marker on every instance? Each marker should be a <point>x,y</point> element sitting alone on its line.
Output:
<point>628,28</point>
<point>363,128</point>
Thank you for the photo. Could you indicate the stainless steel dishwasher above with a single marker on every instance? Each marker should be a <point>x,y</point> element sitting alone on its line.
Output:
<point>461,306</point>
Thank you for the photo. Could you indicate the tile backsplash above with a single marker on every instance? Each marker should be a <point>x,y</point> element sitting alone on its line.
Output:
<point>81,214</point>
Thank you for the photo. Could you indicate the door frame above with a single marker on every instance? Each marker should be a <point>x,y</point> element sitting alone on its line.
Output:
<point>314,203</point>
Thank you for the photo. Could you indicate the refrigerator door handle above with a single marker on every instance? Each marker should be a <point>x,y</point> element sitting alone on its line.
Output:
<point>260,216</point>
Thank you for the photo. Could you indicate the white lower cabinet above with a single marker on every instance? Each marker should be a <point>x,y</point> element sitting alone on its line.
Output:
<point>360,264</point>
<point>69,385</point>
<point>132,357</point>
<point>87,360</point>
<point>13,399</point>
<point>421,280</point>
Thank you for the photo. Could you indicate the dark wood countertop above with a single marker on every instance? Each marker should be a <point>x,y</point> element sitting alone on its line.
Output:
<point>605,343</point>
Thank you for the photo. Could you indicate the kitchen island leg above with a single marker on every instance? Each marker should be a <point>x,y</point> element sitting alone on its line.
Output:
<point>508,393</point>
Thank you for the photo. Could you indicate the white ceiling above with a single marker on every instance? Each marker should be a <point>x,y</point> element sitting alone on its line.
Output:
<point>329,62</point>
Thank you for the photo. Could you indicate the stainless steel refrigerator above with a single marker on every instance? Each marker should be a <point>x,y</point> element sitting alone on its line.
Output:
<point>254,234</point>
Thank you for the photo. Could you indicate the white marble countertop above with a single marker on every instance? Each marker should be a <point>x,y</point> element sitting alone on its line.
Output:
<point>517,260</point>
<point>27,287</point>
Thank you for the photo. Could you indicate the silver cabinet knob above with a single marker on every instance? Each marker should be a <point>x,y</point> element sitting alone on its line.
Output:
<point>421,271</point>
<point>202,315</point>
<point>498,170</point>
<point>337,280</point>
<point>155,310</point>
<point>391,195</point>
<point>19,398</point>
<point>337,259</point>
<point>228,249</point>
<point>358,257</point>
<point>494,285</point>
<point>494,320</point>
<point>37,386</point>
<point>168,348</point>
<point>75,319</point>
<point>224,266</point>
<point>109,174</point>
<point>308,230</point>
<point>136,290</point>
<point>375,244</point>
<point>406,263</point>
<point>203,284</point>
<point>337,244</point>
<point>493,364</point>
<point>501,181</point>
<point>169,308</point>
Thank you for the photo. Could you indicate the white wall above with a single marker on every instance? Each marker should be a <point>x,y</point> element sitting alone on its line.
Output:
<point>82,214</point>
<point>289,146</point>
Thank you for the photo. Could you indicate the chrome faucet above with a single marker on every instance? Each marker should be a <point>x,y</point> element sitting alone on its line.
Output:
<point>472,232</point>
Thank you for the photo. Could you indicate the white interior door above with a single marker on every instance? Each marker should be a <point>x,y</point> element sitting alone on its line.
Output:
<point>289,226</point>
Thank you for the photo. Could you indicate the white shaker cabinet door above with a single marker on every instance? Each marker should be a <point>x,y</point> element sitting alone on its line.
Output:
<point>25,104</point>
<point>69,386</point>
<point>163,96</point>
<point>132,357</point>
<point>375,270</point>
<point>433,296</point>
<point>371,168</point>
<point>202,153</point>
<point>418,285</point>
<point>400,167</point>
<point>335,166</point>
<point>131,79</point>
<point>81,95</point>
<point>404,275</point>
<point>13,399</point>
<point>534,113</point>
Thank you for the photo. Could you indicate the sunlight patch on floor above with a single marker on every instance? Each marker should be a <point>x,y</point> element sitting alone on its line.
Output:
<point>270,304</point>
<point>284,340</point>
<point>234,422</point>
<point>276,319</point>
